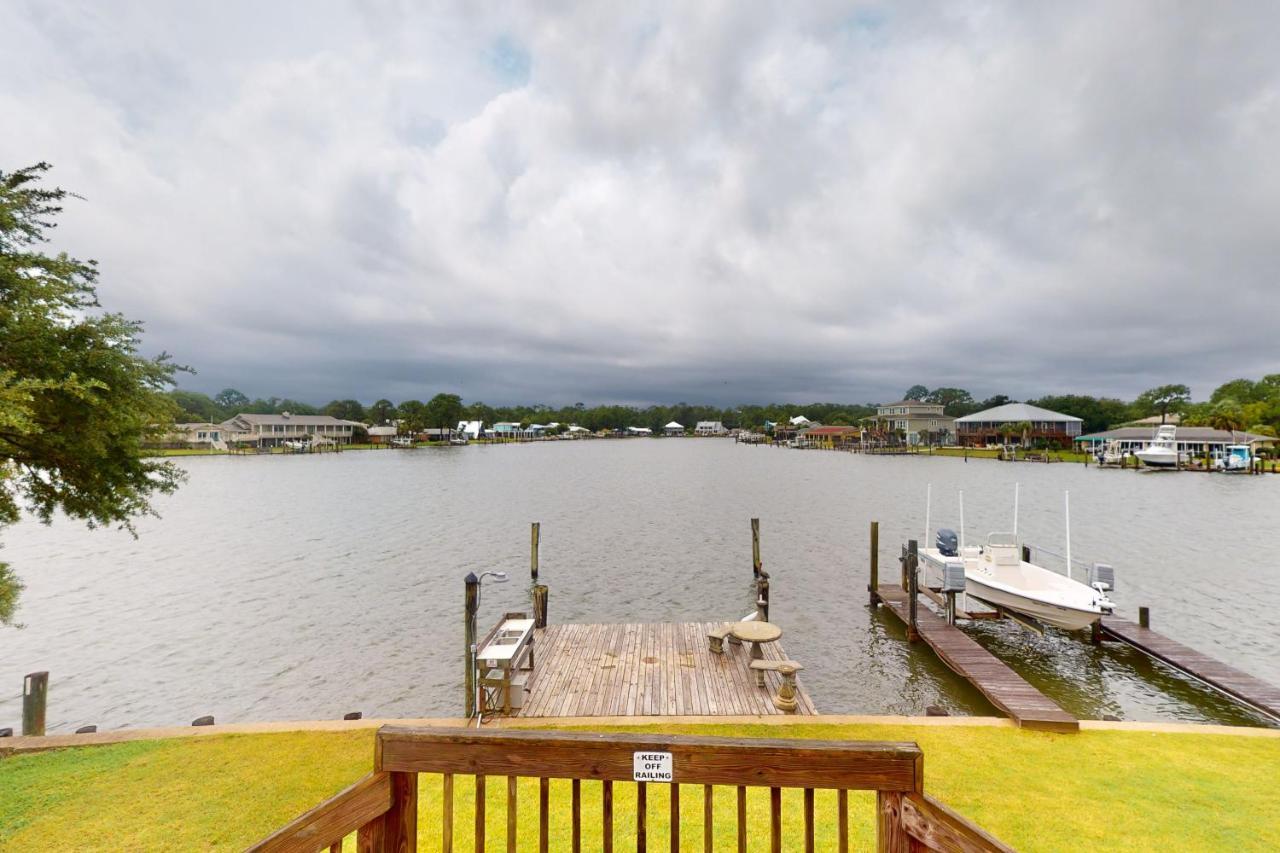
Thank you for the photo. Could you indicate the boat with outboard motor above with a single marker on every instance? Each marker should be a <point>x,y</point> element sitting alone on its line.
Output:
<point>996,574</point>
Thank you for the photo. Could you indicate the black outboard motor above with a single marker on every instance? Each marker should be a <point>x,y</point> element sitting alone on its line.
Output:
<point>948,543</point>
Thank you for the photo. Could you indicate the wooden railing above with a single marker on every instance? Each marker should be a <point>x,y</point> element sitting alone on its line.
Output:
<point>382,808</point>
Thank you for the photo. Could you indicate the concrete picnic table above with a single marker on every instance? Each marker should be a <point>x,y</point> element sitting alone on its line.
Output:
<point>757,633</point>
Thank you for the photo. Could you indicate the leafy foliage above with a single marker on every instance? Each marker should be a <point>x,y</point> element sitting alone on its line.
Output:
<point>77,401</point>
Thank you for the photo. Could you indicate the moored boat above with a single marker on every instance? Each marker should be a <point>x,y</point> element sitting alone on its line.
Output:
<point>1162,452</point>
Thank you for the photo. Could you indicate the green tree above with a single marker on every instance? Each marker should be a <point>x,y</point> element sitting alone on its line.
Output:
<point>916,392</point>
<point>444,411</point>
<point>1240,390</point>
<point>956,402</point>
<point>345,410</point>
<point>1163,399</point>
<point>381,412</point>
<point>77,401</point>
<point>413,416</point>
<point>231,400</point>
<point>196,406</point>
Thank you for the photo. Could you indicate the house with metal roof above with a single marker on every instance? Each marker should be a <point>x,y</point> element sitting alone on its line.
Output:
<point>1017,423</point>
<point>710,428</point>
<point>673,428</point>
<point>1193,441</point>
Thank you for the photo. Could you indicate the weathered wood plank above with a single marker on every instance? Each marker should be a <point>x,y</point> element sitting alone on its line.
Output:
<point>865,765</point>
<point>1007,690</point>
<point>1236,683</point>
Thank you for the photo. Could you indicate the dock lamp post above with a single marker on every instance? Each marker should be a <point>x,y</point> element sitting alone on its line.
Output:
<point>472,606</point>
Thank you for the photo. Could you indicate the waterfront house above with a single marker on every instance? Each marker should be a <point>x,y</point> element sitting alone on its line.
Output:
<point>1017,423</point>
<point>830,437</point>
<point>710,428</point>
<point>918,422</point>
<point>273,430</point>
<point>195,436</point>
<point>381,434</point>
<point>673,428</point>
<point>1193,441</point>
<point>576,431</point>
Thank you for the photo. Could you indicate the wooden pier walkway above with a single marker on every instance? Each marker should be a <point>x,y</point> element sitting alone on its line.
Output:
<point>645,670</point>
<point>1239,685</point>
<point>1007,690</point>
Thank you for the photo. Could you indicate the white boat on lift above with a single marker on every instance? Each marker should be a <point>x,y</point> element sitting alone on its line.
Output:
<point>996,574</point>
<point>1234,459</point>
<point>1162,452</point>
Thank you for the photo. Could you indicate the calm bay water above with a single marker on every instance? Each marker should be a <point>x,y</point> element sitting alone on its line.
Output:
<point>300,587</point>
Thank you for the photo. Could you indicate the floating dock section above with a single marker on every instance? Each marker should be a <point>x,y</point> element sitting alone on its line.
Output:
<point>1007,690</point>
<point>648,669</point>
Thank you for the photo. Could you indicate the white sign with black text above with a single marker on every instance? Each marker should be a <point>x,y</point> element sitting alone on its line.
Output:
<point>652,766</point>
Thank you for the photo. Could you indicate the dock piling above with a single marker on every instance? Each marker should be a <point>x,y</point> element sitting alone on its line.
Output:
<point>875,563</point>
<point>913,589</point>
<point>471,604</point>
<point>762,596</point>
<point>535,539</point>
<point>1144,617</point>
<point>540,592</point>
<point>755,547</point>
<point>35,693</point>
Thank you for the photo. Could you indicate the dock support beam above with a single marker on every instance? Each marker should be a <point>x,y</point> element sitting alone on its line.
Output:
<point>35,692</point>
<point>913,589</point>
<point>471,604</point>
<point>1144,617</point>
<point>875,563</point>
<point>755,547</point>
<point>535,539</point>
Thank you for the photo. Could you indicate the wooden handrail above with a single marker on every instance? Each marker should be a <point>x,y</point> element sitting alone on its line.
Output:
<point>382,808</point>
<point>787,763</point>
<point>334,819</point>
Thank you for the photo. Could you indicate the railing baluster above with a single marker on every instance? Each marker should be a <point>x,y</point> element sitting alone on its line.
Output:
<point>775,820</point>
<point>544,795</point>
<point>642,816</point>
<point>577,815</point>
<point>675,818</point>
<point>708,813</point>
<point>479,813</point>
<point>808,820</point>
<point>446,818</point>
<point>335,847</point>
<point>842,807</point>
<point>511,814</point>
<point>607,799</point>
<point>742,819</point>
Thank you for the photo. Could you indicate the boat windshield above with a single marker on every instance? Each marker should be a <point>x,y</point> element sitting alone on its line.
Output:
<point>1007,540</point>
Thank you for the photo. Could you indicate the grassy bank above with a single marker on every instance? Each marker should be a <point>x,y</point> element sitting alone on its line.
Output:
<point>1115,790</point>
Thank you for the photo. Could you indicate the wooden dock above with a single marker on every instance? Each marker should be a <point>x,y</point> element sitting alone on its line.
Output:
<point>1007,690</point>
<point>1239,685</point>
<point>647,669</point>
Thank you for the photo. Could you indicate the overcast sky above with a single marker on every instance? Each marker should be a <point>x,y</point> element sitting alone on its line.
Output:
<point>726,202</point>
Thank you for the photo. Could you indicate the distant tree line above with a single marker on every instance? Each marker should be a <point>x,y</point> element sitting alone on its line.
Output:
<point>1240,404</point>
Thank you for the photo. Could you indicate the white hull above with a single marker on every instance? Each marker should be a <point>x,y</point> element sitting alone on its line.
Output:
<point>1158,458</point>
<point>998,578</point>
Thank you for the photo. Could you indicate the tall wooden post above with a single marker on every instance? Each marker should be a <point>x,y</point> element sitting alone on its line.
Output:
<point>535,539</point>
<point>913,591</point>
<point>755,547</point>
<point>471,605</point>
<point>1144,617</point>
<point>35,691</point>
<point>762,596</point>
<point>540,592</point>
<point>902,568</point>
<point>875,563</point>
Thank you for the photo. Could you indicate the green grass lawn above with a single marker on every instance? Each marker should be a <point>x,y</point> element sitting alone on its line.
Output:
<point>1113,790</point>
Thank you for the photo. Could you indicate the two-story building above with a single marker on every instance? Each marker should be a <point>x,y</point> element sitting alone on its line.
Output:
<point>917,421</point>
<point>273,430</point>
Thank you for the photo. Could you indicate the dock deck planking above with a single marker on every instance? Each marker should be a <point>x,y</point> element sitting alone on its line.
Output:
<point>1240,685</point>
<point>1007,690</point>
<point>653,669</point>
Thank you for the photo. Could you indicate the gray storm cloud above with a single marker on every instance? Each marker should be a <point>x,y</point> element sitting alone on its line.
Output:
<point>694,201</point>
